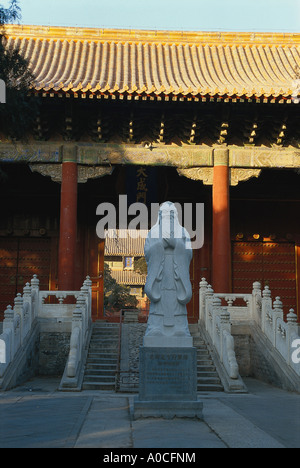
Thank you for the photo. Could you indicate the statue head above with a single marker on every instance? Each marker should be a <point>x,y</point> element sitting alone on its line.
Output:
<point>166,209</point>
<point>167,224</point>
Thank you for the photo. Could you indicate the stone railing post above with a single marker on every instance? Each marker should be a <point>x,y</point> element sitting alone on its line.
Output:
<point>85,294</point>
<point>291,332</point>
<point>8,322</point>
<point>256,309</point>
<point>19,310</point>
<point>224,327</point>
<point>277,314</point>
<point>216,310</point>
<point>202,293</point>
<point>75,341</point>
<point>208,306</point>
<point>89,283</point>
<point>27,304</point>
<point>227,346</point>
<point>82,303</point>
<point>35,288</point>
<point>266,306</point>
<point>9,329</point>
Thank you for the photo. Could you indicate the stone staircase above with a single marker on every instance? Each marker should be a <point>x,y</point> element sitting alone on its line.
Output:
<point>102,359</point>
<point>207,376</point>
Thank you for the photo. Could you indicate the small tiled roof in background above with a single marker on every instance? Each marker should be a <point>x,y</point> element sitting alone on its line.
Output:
<point>114,62</point>
<point>125,242</point>
<point>129,277</point>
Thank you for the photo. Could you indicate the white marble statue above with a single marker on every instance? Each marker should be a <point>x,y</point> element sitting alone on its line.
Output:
<point>168,254</point>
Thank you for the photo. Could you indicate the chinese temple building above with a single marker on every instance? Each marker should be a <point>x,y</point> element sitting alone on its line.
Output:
<point>189,117</point>
<point>122,251</point>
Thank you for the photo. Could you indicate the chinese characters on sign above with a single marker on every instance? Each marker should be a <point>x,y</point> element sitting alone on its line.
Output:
<point>141,195</point>
<point>141,185</point>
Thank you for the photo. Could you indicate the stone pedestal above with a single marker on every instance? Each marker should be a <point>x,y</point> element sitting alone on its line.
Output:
<point>168,383</point>
<point>183,341</point>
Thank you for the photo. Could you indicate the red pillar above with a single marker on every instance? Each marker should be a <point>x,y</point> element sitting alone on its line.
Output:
<point>221,247</point>
<point>68,227</point>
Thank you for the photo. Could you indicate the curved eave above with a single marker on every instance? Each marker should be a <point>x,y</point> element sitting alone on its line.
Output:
<point>159,96</point>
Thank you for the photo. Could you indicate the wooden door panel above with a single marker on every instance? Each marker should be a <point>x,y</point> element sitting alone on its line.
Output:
<point>272,264</point>
<point>8,273</point>
<point>20,259</point>
<point>94,254</point>
<point>35,259</point>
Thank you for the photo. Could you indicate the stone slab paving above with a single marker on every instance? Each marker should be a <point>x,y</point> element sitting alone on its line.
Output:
<point>107,425</point>
<point>36,415</point>
<point>39,421</point>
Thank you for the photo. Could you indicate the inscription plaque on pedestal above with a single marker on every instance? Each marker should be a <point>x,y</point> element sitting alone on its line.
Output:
<point>170,372</point>
<point>168,383</point>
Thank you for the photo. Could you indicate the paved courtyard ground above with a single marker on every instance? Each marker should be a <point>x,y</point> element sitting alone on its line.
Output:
<point>36,415</point>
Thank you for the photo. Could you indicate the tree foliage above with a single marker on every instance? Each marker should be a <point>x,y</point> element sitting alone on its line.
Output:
<point>19,111</point>
<point>10,14</point>
<point>140,266</point>
<point>116,296</point>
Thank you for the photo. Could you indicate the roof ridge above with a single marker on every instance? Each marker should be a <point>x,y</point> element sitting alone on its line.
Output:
<point>159,36</point>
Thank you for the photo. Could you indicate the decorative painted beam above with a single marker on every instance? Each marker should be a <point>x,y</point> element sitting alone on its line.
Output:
<point>84,173</point>
<point>182,157</point>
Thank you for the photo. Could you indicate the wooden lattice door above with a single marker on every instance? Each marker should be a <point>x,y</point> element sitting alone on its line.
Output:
<point>95,269</point>
<point>271,263</point>
<point>20,259</point>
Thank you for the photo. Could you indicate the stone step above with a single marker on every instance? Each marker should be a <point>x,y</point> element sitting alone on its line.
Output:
<point>101,345</point>
<point>206,368</point>
<point>198,341</point>
<point>102,323</point>
<point>209,388</point>
<point>204,357</point>
<point>101,362</point>
<point>208,380</point>
<point>207,377</point>
<point>105,336</point>
<point>99,378</point>
<point>105,340</point>
<point>104,355</point>
<point>103,329</point>
<point>203,352</point>
<point>102,342</point>
<point>207,374</point>
<point>101,366</point>
<point>102,359</point>
<point>109,326</point>
<point>98,385</point>
<point>202,360</point>
<point>200,346</point>
<point>101,372</point>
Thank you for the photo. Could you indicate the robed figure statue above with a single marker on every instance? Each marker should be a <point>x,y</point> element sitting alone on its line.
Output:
<point>168,254</point>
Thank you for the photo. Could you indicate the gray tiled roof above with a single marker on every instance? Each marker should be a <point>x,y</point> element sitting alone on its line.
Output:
<point>123,243</point>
